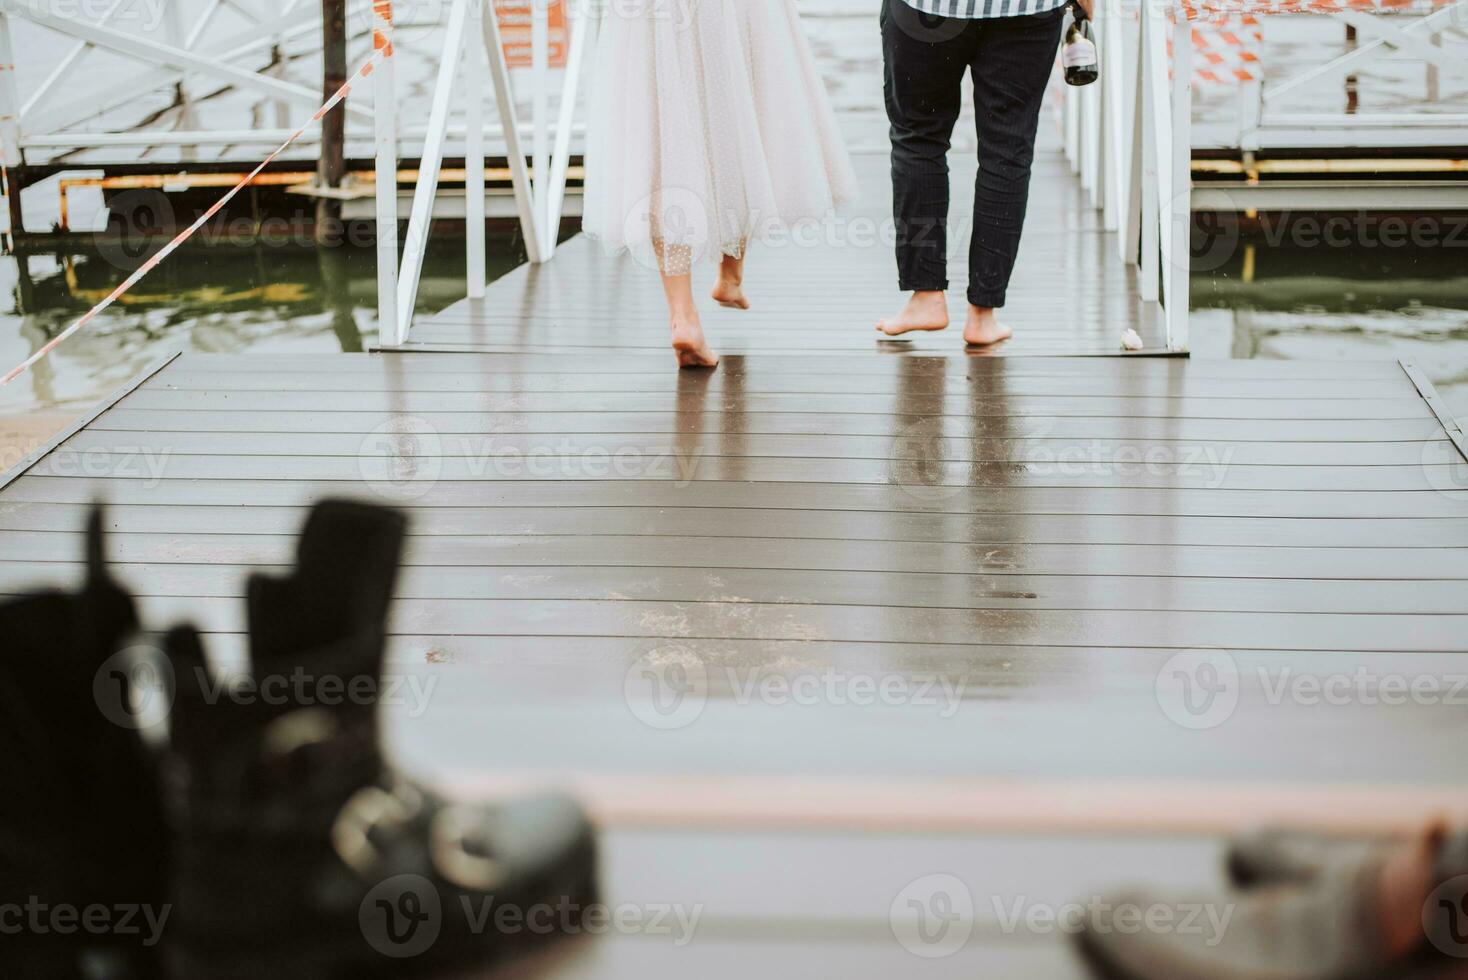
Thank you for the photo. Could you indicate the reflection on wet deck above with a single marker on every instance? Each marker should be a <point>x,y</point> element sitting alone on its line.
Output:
<point>935,607</point>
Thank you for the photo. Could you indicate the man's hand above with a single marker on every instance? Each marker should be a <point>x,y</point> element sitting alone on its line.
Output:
<point>1089,6</point>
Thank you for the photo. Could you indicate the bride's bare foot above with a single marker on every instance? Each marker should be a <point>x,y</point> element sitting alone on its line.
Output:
<point>689,345</point>
<point>983,328</point>
<point>729,290</point>
<point>926,310</point>
<point>730,293</point>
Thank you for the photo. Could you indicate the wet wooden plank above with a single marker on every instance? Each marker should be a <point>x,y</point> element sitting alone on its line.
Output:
<point>457,620</point>
<point>394,478</point>
<point>773,423</point>
<point>706,552</point>
<point>696,402</point>
<point>844,364</point>
<point>1445,502</point>
<point>979,387</point>
<point>787,524</point>
<point>686,448</point>
<point>915,590</point>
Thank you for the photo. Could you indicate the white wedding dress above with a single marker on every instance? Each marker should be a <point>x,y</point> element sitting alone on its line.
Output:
<point>709,128</point>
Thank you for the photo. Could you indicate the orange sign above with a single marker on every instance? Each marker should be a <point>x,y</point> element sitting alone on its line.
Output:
<point>514,18</point>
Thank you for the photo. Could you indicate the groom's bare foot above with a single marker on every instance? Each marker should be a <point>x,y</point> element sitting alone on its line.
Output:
<point>730,293</point>
<point>983,328</point>
<point>689,345</point>
<point>925,310</point>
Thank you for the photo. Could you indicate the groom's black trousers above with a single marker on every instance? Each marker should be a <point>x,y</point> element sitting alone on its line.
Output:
<point>926,57</point>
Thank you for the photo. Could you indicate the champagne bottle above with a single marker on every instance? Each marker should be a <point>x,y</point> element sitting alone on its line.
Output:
<point>1078,54</point>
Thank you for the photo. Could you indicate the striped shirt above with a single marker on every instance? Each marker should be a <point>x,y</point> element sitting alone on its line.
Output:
<point>985,8</point>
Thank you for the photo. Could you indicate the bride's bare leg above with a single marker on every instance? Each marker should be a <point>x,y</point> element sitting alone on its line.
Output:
<point>729,290</point>
<point>689,344</point>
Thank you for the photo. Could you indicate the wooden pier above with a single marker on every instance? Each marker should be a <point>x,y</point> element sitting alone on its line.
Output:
<point>1024,549</point>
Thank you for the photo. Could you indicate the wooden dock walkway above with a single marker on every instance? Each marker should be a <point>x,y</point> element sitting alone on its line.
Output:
<point>975,531</point>
<point>842,614</point>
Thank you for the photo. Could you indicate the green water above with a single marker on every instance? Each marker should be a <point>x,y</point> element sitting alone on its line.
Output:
<point>221,299</point>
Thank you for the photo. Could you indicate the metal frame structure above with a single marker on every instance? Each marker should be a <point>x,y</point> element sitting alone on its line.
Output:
<point>473,43</point>
<point>1262,123</point>
<point>46,118</point>
<point>1130,138</point>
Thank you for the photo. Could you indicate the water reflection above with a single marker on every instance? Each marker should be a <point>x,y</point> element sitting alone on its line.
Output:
<point>223,298</point>
<point>1316,303</point>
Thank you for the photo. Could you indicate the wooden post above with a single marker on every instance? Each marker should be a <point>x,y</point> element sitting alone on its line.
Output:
<point>333,165</point>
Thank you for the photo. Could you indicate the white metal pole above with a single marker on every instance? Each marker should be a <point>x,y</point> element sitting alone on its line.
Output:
<point>421,220</point>
<point>1129,241</point>
<point>174,21</point>
<point>68,62</point>
<point>475,78</point>
<point>385,101</point>
<point>499,72</point>
<point>1179,265</point>
<point>1147,126</point>
<point>581,25</point>
<point>540,111</point>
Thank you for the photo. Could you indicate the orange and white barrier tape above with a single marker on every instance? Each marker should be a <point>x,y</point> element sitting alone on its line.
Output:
<point>1223,10</point>
<point>1227,53</point>
<point>381,49</point>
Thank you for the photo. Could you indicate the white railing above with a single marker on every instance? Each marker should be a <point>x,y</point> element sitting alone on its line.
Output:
<point>1417,32</point>
<point>1130,139</point>
<point>473,42</point>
